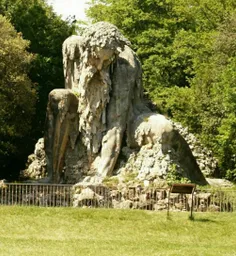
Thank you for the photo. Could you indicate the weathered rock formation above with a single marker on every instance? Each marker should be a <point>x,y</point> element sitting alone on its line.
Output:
<point>36,164</point>
<point>101,110</point>
<point>156,199</point>
<point>206,161</point>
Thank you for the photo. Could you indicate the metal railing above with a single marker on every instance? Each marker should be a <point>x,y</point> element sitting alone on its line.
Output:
<point>154,199</point>
<point>36,194</point>
<point>62,195</point>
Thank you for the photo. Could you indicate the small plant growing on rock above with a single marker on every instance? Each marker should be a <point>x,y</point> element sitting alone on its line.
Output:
<point>111,181</point>
<point>174,176</point>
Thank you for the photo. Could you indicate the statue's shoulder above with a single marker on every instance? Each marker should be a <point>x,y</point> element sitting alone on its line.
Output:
<point>129,56</point>
<point>74,39</point>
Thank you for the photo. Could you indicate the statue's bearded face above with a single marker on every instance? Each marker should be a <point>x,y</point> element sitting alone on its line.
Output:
<point>94,87</point>
<point>102,58</point>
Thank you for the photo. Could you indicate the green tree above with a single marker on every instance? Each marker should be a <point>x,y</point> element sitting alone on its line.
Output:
<point>221,97</point>
<point>17,97</point>
<point>208,106</point>
<point>46,32</point>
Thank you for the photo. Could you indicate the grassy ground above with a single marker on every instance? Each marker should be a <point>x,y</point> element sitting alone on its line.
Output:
<point>72,232</point>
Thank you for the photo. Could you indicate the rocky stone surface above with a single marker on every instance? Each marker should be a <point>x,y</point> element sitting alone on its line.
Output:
<point>157,199</point>
<point>207,163</point>
<point>220,183</point>
<point>36,164</point>
<point>3,184</point>
<point>152,163</point>
<point>100,117</point>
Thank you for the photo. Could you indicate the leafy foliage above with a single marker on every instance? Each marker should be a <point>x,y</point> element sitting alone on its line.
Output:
<point>213,97</point>
<point>45,32</point>
<point>17,97</point>
<point>174,176</point>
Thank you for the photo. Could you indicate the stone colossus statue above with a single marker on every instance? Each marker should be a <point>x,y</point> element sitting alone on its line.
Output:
<point>101,107</point>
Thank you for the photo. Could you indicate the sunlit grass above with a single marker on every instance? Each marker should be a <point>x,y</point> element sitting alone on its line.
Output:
<point>68,231</point>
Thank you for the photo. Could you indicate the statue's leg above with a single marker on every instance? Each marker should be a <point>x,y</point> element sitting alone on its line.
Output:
<point>111,145</point>
<point>148,129</point>
<point>62,108</point>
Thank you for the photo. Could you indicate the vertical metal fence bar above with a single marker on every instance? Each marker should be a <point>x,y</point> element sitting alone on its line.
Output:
<point>9,195</point>
<point>30,194</point>
<point>212,199</point>
<point>34,194</point>
<point>60,195</point>
<point>42,196</point>
<point>53,196</point>
<point>16,194</point>
<point>1,197</point>
<point>64,196</point>
<point>12,194</point>
<point>56,196</point>
<point>20,194</point>
<point>6,195</point>
<point>47,196</point>
<point>24,195</point>
<point>69,196</point>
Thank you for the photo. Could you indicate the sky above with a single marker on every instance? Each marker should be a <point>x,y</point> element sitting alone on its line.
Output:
<point>69,7</point>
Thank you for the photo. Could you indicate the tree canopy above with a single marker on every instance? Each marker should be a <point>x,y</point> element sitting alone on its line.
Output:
<point>45,32</point>
<point>17,96</point>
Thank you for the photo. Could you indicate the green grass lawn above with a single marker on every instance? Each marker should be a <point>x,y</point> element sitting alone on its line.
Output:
<point>71,232</point>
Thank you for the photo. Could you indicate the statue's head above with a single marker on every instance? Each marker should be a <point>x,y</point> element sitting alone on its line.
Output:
<point>92,52</point>
<point>103,42</point>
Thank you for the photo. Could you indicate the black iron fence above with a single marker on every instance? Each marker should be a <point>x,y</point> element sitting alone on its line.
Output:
<point>61,195</point>
<point>36,194</point>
